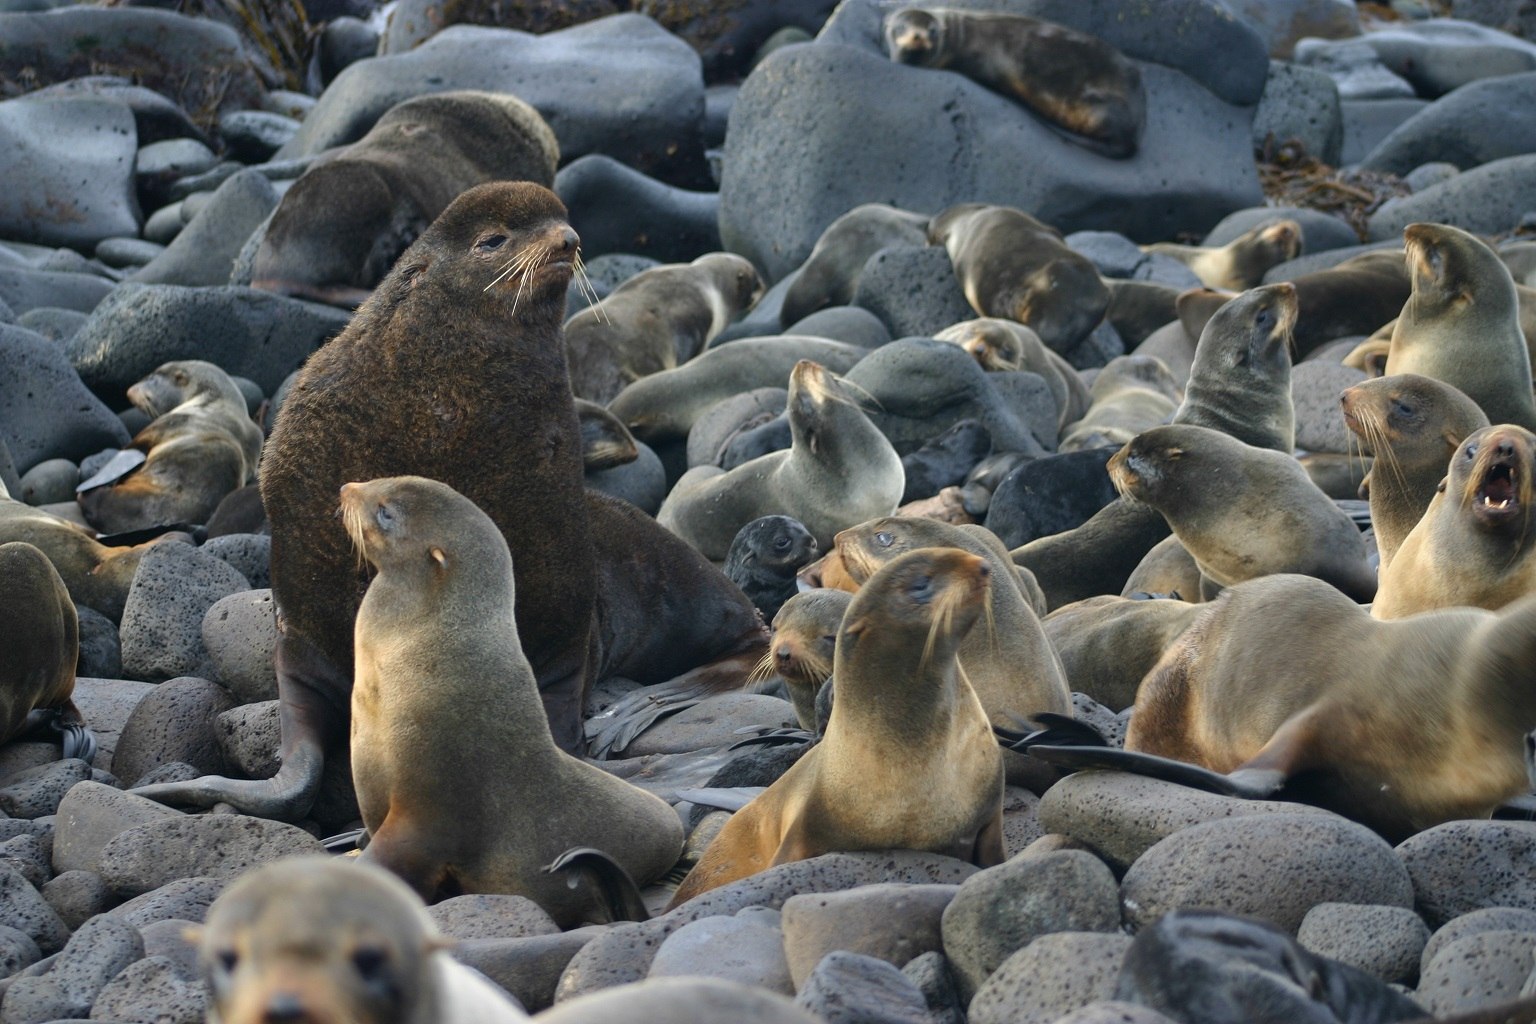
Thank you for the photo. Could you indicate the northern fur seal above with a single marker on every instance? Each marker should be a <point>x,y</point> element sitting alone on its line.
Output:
<point>1076,82</point>
<point>346,220</point>
<point>486,409</point>
<point>1013,266</point>
<point>321,939</point>
<point>1130,394</point>
<point>1296,692</point>
<point>1242,511</point>
<point>656,320</point>
<point>764,557</point>
<point>1241,263</point>
<point>1107,644</point>
<point>1411,425</point>
<point>804,642</point>
<point>830,275</point>
<point>1462,323</point>
<point>443,693</point>
<point>200,446</point>
<point>1473,544</point>
<point>41,646</point>
<point>999,344</point>
<point>840,471</point>
<point>899,687</point>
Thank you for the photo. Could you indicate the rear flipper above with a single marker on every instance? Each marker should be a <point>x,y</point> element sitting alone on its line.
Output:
<point>1056,731</point>
<point>67,723</point>
<point>617,894</point>
<point>1245,783</point>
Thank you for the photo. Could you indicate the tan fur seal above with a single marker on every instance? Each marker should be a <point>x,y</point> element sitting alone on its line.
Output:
<point>1241,263</point>
<point>1005,345</point>
<point>200,446</point>
<point>1074,81</point>
<point>1130,394</point>
<point>41,642</point>
<point>830,275</point>
<point>1242,511</point>
<point>804,641</point>
<point>905,762</point>
<point>444,694</point>
<point>840,471</point>
<point>1473,545</point>
<point>312,939</point>
<point>1011,265</point>
<point>346,220</point>
<point>487,409</point>
<point>1168,569</point>
<point>1462,323</point>
<point>1412,425</point>
<point>1295,691</point>
<point>657,320</point>
<point>1108,643</point>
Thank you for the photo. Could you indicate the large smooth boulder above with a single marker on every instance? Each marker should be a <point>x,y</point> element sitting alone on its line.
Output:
<point>1486,200</point>
<point>53,416</point>
<point>1479,122</point>
<point>68,169</point>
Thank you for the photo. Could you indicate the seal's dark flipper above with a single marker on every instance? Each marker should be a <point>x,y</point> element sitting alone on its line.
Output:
<point>772,737</point>
<point>78,741</point>
<point>346,842</point>
<point>618,895</point>
<point>1055,731</point>
<point>1521,808</point>
<point>149,533</point>
<point>66,723</point>
<point>1248,784</point>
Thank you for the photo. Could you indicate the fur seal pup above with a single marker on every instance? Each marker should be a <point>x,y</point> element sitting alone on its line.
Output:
<point>804,642</point>
<point>1005,345</point>
<point>840,470</point>
<point>606,442</point>
<point>1013,266</point>
<point>905,762</point>
<point>1411,426</point>
<point>1295,692</point>
<point>443,693</point>
<point>486,409</point>
<point>656,320</point>
<point>350,216</point>
<point>830,275</point>
<point>1473,544</point>
<point>1075,82</point>
<point>200,447</point>
<point>1462,323</point>
<point>764,557</point>
<point>1242,262</point>
<point>1107,644</point>
<point>321,939</point>
<point>1242,511</point>
<point>1130,394</point>
<point>41,645</point>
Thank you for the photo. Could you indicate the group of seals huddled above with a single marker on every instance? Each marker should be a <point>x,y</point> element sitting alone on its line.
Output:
<point>874,620</point>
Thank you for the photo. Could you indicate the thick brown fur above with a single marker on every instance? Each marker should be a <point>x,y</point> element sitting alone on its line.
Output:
<point>200,447</point>
<point>324,941</point>
<point>1011,265</point>
<point>1473,545</point>
<point>1077,82</point>
<point>1411,425</point>
<point>1399,725</point>
<point>1241,263</point>
<point>41,639</point>
<point>903,763</point>
<point>351,215</point>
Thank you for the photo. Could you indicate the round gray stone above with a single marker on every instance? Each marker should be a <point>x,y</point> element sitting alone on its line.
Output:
<point>1051,977</point>
<point>748,948</point>
<point>1463,866</point>
<point>220,846</point>
<point>174,723</point>
<point>171,593</point>
<point>1490,919</point>
<point>54,416</point>
<point>36,792</point>
<point>204,251</point>
<point>894,923</point>
<point>1477,971</point>
<point>153,989</point>
<point>77,896</point>
<point>1384,942</point>
<point>240,634</point>
<point>23,908</point>
<point>51,480</point>
<point>250,736</point>
<point>491,916</point>
<point>846,988</point>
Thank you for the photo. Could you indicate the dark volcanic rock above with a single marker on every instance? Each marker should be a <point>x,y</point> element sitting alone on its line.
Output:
<point>617,209</point>
<point>51,414</point>
<point>68,169</point>
<point>1483,121</point>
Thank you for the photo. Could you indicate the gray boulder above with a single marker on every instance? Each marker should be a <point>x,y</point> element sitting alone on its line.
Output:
<point>240,635</point>
<point>68,167</point>
<point>1477,971</point>
<point>1437,860</point>
<point>747,947</point>
<point>1051,977</point>
<point>491,916</point>
<point>1384,942</point>
<point>846,988</point>
<point>1441,54</point>
<point>1301,103</point>
<point>221,846</point>
<point>1482,121</point>
<point>90,815</point>
<point>617,209</point>
<point>1486,200</point>
<point>203,252</point>
<point>175,723</point>
<point>172,590</point>
<point>54,416</point>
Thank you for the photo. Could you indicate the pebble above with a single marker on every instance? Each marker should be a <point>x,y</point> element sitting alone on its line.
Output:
<point>1463,866</point>
<point>846,988</point>
<point>1476,971</point>
<point>24,909</point>
<point>894,923</point>
<point>1051,977</point>
<point>491,916</point>
<point>1384,942</point>
<point>36,792</point>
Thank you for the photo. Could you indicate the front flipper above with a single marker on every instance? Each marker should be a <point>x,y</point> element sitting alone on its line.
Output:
<point>1246,783</point>
<point>618,895</point>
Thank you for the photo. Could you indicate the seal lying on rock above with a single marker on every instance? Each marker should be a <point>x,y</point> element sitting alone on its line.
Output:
<point>1241,263</point>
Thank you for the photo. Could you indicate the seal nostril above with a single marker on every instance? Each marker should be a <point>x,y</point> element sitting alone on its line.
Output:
<point>569,240</point>
<point>284,1006</point>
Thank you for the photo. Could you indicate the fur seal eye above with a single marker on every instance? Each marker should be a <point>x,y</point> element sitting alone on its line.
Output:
<point>883,539</point>
<point>781,543</point>
<point>1402,408</point>
<point>491,242</point>
<point>369,963</point>
<point>385,517</point>
<point>227,959</point>
<point>1265,320</point>
<point>921,589</point>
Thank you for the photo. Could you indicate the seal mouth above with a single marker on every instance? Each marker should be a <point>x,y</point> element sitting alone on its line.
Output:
<point>1497,498</point>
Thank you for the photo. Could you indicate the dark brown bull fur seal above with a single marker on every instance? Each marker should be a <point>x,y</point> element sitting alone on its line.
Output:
<point>444,694</point>
<point>903,763</point>
<point>1076,82</point>
<point>487,409</point>
<point>347,219</point>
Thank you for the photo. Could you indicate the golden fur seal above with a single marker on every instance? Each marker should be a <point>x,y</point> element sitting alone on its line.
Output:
<point>1242,511</point>
<point>905,762</point>
<point>1473,545</point>
<point>200,446</point>
<point>318,939</point>
<point>1241,263</point>
<point>804,642</point>
<point>1462,323</point>
<point>1077,82</point>
<point>1412,425</point>
<point>459,781</point>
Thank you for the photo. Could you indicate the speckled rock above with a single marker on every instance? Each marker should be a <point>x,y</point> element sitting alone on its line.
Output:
<point>1021,819</point>
<point>101,652</point>
<point>491,916</point>
<point>169,939</point>
<point>249,737</point>
<point>218,846</point>
<point>37,791</point>
<point>54,416</point>
<point>90,815</point>
<point>1476,971</point>
<point>846,988</point>
<point>163,616</point>
<point>1477,123</point>
<point>240,635</point>
<point>29,854</point>
<point>1121,815</point>
<point>747,947</point>
<point>1315,387</point>
<point>1275,867</point>
<point>895,923</point>
<point>1384,942</point>
<point>1003,909</point>
<point>23,908</point>
<point>1110,1011</point>
<point>77,896</point>
<point>934,979</point>
<point>17,950</point>
<point>1051,977</point>
<point>680,1001</point>
<point>1489,199</point>
<point>95,954</point>
<point>912,290</point>
<point>1301,103</point>
<point>527,968</point>
<point>153,989</point>
<point>1490,919</point>
<point>107,705</point>
<point>186,899</point>
<point>204,251</point>
<point>175,723</point>
<point>1463,866</point>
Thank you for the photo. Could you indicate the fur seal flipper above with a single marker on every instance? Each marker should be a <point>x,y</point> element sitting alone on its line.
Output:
<point>621,898</point>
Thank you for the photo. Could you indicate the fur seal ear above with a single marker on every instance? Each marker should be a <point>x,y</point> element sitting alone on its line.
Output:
<point>1440,487</point>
